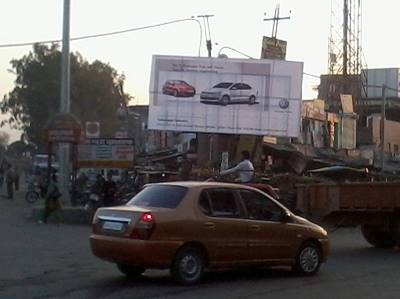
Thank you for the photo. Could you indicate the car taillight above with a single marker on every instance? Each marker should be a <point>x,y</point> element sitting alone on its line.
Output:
<point>144,227</point>
<point>147,217</point>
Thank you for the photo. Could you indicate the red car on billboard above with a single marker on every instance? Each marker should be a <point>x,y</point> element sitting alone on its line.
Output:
<point>178,88</point>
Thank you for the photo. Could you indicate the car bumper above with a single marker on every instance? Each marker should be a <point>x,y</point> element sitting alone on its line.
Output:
<point>143,253</point>
<point>209,98</point>
<point>325,249</point>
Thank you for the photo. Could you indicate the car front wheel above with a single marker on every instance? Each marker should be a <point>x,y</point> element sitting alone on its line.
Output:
<point>252,100</point>
<point>308,259</point>
<point>225,100</point>
<point>188,266</point>
<point>130,271</point>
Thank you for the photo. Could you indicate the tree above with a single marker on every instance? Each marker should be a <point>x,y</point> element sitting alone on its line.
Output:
<point>4,138</point>
<point>36,95</point>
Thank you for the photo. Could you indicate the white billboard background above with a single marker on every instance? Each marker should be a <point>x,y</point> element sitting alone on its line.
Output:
<point>273,81</point>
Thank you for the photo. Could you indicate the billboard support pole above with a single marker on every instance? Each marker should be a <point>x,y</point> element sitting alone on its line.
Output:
<point>276,20</point>
<point>383,118</point>
<point>207,32</point>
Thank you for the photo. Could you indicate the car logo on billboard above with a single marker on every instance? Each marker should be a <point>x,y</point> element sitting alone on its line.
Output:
<point>284,103</point>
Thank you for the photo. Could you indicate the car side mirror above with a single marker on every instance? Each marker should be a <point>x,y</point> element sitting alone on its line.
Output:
<point>285,217</point>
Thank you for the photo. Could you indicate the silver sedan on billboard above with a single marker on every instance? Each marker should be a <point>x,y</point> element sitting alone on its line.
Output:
<point>225,93</point>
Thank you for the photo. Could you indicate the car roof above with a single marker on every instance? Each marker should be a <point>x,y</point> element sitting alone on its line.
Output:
<point>196,184</point>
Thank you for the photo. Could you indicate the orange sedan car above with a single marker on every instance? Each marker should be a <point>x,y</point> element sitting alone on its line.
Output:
<point>189,227</point>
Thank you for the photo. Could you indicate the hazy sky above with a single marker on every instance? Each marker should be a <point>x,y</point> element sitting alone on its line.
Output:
<point>236,24</point>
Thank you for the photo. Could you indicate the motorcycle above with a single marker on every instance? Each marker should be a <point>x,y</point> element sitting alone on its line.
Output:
<point>35,192</point>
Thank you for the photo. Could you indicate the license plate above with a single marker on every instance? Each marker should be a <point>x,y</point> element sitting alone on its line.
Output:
<point>110,225</point>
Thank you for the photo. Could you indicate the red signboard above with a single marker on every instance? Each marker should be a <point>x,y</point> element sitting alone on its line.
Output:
<point>63,127</point>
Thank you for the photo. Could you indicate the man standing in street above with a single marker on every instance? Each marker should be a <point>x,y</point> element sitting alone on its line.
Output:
<point>245,169</point>
<point>10,181</point>
<point>16,176</point>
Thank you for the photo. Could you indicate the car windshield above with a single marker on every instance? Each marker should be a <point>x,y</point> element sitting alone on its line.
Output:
<point>223,85</point>
<point>159,196</point>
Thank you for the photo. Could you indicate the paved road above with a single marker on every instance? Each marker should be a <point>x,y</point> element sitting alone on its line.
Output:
<point>54,261</point>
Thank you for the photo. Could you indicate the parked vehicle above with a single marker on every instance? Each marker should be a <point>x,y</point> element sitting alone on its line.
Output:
<point>178,88</point>
<point>225,93</point>
<point>40,163</point>
<point>190,226</point>
<point>94,202</point>
<point>80,198</point>
<point>33,193</point>
<point>374,206</point>
<point>37,188</point>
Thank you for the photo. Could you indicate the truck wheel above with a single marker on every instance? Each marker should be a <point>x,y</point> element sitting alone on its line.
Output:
<point>375,236</point>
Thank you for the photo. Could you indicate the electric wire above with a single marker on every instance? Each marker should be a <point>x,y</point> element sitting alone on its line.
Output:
<point>83,37</point>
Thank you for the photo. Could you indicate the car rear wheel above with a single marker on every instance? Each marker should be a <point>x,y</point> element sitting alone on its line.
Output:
<point>188,266</point>
<point>252,100</point>
<point>225,100</point>
<point>130,271</point>
<point>308,259</point>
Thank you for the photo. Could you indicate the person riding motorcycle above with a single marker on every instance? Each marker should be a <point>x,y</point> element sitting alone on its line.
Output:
<point>109,190</point>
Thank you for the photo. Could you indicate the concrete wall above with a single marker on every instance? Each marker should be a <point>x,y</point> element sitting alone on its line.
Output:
<point>392,133</point>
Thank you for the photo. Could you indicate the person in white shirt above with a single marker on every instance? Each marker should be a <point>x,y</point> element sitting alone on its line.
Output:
<point>245,169</point>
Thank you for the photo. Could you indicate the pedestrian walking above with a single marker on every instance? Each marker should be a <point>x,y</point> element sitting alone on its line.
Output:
<point>52,203</point>
<point>10,181</point>
<point>1,175</point>
<point>16,177</point>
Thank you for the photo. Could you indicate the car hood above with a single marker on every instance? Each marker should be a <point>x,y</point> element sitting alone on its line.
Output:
<point>313,226</point>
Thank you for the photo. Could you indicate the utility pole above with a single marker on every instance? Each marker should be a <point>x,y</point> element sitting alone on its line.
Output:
<point>64,152</point>
<point>276,20</point>
<point>345,37</point>
<point>207,32</point>
<point>382,127</point>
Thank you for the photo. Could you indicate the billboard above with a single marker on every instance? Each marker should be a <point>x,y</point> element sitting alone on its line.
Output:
<point>229,96</point>
<point>273,48</point>
<point>106,153</point>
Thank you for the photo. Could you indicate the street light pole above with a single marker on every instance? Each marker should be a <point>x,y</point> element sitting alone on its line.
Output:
<point>65,62</point>
<point>64,149</point>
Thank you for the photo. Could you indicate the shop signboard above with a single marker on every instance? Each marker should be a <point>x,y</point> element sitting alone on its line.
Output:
<point>106,153</point>
<point>229,96</point>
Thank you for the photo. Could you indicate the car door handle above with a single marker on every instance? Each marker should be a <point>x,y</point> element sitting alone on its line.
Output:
<point>209,224</point>
<point>255,227</point>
